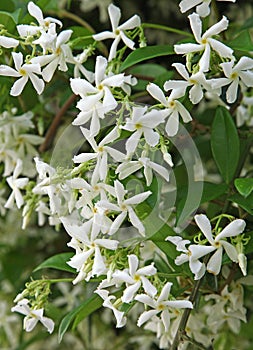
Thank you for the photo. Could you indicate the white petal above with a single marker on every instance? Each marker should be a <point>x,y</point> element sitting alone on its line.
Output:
<point>230,250</point>
<point>220,48</point>
<point>133,141</point>
<point>114,14</point>
<point>35,12</point>
<point>82,87</point>
<point>204,61</point>
<point>164,295</point>
<point>145,316</point>
<point>37,83</point>
<point>130,292</point>
<point>18,86</point>
<point>181,69</point>
<point>8,42</point>
<point>148,287</point>
<point>135,221</point>
<point>133,263</point>
<point>111,244</point>
<point>244,63</point>
<point>172,124</point>
<point>214,264</point>
<point>152,137</point>
<point>187,48</point>
<point>203,10</point>
<point>232,90</point>
<point>196,94</point>
<point>30,323</point>
<point>234,228</point>
<point>217,28</point>
<point>186,5</point>
<point>131,23</point>
<point>48,323</point>
<point>84,157</point>
<point>156,93</point>
<point>138,198</point>
<point>196,26</point>
<point>101,64</point>
<point>204,224</point>
<point>103,36</point>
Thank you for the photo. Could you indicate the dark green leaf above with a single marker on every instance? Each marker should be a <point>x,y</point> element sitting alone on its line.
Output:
<point>244,203</point>
<point>58,262</point>
<point>242,42</point>
<point>244,186</point>
<point>79,313</point>
<point>225,143</point>
<point>248,23</point>
<point>212,191</point>
<point>146,53</point>
<point>9,20</point>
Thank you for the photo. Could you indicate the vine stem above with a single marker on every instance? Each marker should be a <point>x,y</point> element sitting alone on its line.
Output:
<point>166,28</point>
<point>56,122</point>
<point>185,316</point>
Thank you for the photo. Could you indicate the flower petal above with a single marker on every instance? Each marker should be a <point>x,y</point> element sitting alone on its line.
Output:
<point>204,224</point>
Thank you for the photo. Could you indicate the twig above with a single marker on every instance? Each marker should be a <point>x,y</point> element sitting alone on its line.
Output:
<point>56,122</point>
<point>185,316</point>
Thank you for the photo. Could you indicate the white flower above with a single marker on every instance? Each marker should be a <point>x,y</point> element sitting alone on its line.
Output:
<point>125,207</point>
<point>218,243</point>
<point>129,167</point>
<point>97,100</point>
<point>61,53</point>
<point>197,81</point>
<point>205,41</point>
<point>203,6</point>
<point>173,108</point>
<point>32,316</point>
<point>240,72</point>
<point>160,305</point>
<point>143,122</point>
<point>101,152</point>
<point>118,32</point>
<point>79,69</point>
<point>202,9</point>
<point>16,184</point>
<point>119,315</point>
<point>23,72</point>
<point>190,255</point>
<point>135,278</point>
<point>44,23</point>
<point>88,245</point>
<point>8,42</point>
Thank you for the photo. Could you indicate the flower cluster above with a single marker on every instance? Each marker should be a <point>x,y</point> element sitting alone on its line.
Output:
<point>123,168</point>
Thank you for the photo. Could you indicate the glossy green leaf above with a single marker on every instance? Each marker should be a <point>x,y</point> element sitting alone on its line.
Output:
<point>58,262</point>
<point>225,143</point>
<point>244,186</point>
<point>78,314</point>
<point>146,53</point>
<point>242,42</point>
<point>9,20</point>
<point>245,203</point>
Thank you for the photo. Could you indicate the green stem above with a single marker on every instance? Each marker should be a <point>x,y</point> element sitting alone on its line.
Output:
<point>181,328</point>
<point>166,28</point>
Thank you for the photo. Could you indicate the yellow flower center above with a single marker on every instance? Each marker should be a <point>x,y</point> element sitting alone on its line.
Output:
<point>58,51</point>
<point>204,41</point>
<point>117,32</point>
<point>234,75</point>
<point>100,87</point>
<point>138,126</point>
<point>137,278</point>
<point>22,71</point>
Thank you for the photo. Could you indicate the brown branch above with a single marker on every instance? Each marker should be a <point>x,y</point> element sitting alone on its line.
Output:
<point>55,124</point>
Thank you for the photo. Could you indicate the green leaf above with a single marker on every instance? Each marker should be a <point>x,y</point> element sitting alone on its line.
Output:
<point>242,42</point>
<point>58,262</point>
<point>212,191</point>
<point>225,143</point>
<point>9,20</point>
<point>79,313</point>
<point>245,203</point>
<point>248,23</point>
<point>244,186</point>
<point>146,53</point>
